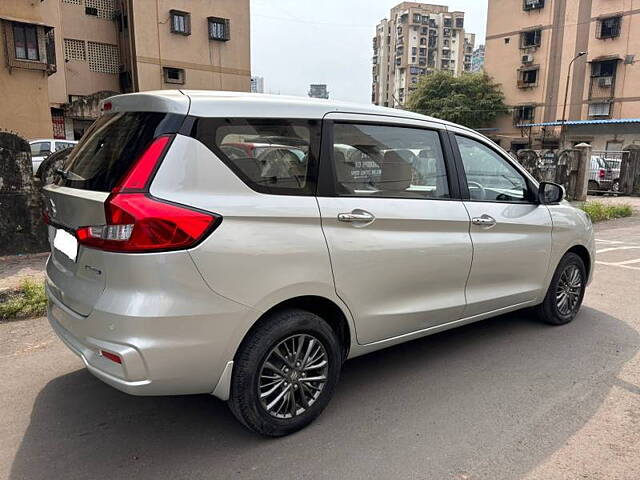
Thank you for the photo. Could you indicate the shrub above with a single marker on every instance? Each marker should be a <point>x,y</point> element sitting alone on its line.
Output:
<point>27,301</point>
<point>599,211</point>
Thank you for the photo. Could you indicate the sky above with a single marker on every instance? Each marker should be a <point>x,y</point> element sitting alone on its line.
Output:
<point>298,42</point>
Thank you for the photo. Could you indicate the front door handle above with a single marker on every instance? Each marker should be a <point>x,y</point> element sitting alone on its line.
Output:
<point>356,216</point>
<point>484,220</point>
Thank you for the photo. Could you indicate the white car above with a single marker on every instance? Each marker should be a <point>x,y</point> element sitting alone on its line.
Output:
<point>43,147</point>
<point>180,265</point>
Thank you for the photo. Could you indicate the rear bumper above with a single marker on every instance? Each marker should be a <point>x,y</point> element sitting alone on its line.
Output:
<point>88,351</point>
<point>165,353</point>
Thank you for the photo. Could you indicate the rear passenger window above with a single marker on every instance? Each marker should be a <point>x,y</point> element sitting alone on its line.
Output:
<point>384,161</point>
<point>270,155</point>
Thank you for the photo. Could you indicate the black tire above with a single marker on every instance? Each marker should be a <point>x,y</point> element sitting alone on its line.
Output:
<point>593,186</point>
<point>615,187</point>
<point>258,348</point>
<point>549,310</point>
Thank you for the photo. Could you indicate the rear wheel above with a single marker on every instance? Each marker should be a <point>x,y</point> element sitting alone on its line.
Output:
<point>593,186</point>
<point>285,373</point>
<point>566,291</point>
<point>616,185</point>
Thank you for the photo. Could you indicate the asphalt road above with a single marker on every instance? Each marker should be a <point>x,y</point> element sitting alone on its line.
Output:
<point>508,398</point>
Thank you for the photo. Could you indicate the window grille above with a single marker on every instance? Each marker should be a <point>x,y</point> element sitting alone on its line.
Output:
<point>104,8</point>
<point>74,50</point>
<point>103,57</point>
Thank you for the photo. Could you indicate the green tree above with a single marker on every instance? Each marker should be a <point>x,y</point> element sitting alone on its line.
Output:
<point>472,99</point>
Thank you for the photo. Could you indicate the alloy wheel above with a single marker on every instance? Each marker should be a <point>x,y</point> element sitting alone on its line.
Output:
<point>569,290</point>
<point>293,376</point>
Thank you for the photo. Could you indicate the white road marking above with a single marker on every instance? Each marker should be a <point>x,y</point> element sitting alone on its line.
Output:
<point>611,249</point>
<point>608,264</point>
<point>613,242</point>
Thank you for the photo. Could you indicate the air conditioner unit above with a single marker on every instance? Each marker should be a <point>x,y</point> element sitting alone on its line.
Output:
<point>527,59</point>
<point>605,82</point>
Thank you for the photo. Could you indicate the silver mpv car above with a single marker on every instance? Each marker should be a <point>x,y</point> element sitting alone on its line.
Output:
<point>246,245</point>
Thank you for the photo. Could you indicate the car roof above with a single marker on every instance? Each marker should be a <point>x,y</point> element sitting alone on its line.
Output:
<point>211,103</point>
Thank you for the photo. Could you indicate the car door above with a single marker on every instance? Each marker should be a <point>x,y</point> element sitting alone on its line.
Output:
<point>397,232</point>
<point>510,231</point>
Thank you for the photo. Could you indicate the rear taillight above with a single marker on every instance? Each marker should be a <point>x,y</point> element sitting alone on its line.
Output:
<point>137,222</point>
<point>602,173</point>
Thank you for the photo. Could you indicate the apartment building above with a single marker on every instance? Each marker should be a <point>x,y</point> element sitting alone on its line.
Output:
<point>534,45</point>
<point>27,60</point>
<point>257,84</point>
<point>417,39</point>
<point>477,59</point>
<point>104,47</point>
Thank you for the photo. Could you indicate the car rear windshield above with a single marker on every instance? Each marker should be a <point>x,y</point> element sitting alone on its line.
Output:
<point>111,145</point>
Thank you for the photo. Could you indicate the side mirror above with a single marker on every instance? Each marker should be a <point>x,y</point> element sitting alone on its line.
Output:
<point>550,193</point>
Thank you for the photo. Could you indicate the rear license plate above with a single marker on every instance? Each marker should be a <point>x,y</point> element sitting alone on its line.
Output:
<point>66,243</point>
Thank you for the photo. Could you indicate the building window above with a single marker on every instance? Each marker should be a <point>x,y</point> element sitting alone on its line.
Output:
<point>180,22</point>
<point>524,114</point>
<point>606,68</point>
<point>459,22</point>
<point>609,27</point>
<point>74,50</point>
<point>173,75</point>
<point>100,8</point>
<point>103,57</point>
<point>25,39</point>
<point>528,77</point>
<point>601,109</point>
<point>603,78</point>
<point>532,5</point>
<point>29,46</point>
<point>531,38</point>
<point>219,29</point>
<point>417,18</point>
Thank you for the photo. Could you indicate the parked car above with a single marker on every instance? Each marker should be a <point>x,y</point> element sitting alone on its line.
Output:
<point>176,270</point>
<point>604,174</point>
<point>42,148</point>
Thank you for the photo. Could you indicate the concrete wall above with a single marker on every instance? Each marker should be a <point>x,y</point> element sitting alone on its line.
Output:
<point>21,227</point>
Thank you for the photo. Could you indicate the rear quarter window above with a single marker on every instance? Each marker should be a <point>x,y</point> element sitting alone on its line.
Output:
<point>111,145</point>
<point>277,156</point>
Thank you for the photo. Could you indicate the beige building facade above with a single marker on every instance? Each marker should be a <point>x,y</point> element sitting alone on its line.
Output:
<point>530,50</point>
<point>417,39</point>
<point>27,61</point>
<point>104,47</point>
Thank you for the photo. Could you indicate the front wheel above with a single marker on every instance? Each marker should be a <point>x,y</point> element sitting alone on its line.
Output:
<point>566,291</point>
<point>285,373</point>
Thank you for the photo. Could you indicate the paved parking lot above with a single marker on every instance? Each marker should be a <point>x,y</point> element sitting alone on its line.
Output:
<point>507,398</point>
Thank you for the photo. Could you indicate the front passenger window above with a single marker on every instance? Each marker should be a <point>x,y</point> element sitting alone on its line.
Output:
<point>490,177</point>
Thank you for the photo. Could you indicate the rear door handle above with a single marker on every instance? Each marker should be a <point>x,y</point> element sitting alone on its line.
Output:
<point>356,216</point>
<point>484,220</point>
